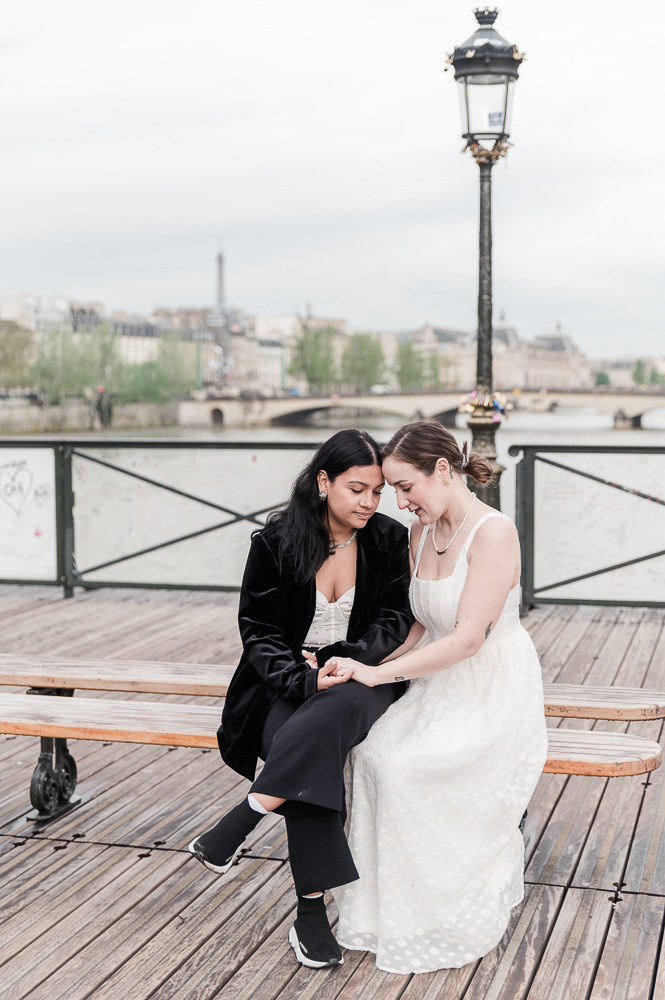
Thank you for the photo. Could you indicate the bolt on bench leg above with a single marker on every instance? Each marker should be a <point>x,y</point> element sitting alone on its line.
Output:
<point>54,779</point>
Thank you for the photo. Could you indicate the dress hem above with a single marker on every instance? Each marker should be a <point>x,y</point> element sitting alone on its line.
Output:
<point>435,968</point>
<point>411,972</point>
<point>416,972</point>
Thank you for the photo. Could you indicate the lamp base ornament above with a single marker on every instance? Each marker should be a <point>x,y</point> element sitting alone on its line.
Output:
<point>483,442</point>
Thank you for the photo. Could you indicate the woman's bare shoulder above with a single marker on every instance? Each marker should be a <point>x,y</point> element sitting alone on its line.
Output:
<point>495,531</point>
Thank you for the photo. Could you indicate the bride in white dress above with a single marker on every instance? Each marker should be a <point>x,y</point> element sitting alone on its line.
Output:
<point>437,790</point>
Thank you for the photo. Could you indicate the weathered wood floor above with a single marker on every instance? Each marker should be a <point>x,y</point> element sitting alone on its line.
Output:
<point>105,903</point>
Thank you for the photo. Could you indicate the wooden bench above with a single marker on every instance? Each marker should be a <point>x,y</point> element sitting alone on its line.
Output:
<point>56,719</point>
<point>212,680</point>
<point>140,676</point>
<point>571,751</point>
<point>575,701</point>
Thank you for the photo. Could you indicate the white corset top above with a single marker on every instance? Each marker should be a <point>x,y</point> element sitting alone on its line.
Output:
<point>331,619</point>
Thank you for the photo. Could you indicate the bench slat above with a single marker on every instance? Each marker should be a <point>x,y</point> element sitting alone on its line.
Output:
<point>580,751</point>
<point>212,680</point>
<point>570,751</point>
<point>140,676</point>
<point>160,723</point>
<point>579,702</point>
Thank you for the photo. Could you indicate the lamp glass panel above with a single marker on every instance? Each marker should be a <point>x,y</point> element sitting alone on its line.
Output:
<point>485,104</point>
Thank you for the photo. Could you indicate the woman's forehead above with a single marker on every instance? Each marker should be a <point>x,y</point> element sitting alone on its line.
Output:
<point>366,475</point>
<point>394,469</point>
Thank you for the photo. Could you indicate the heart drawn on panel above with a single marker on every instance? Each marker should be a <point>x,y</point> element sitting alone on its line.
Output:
<point>15,488</point>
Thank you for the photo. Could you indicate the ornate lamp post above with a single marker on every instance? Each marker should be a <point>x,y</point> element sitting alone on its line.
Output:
<point>486,67</point>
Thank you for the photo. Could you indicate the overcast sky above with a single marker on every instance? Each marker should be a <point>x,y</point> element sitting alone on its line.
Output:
<point>319,143</point>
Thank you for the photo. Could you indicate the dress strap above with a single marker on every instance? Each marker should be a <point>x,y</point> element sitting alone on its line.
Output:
<point>470,536</point>
<point>425,533</point>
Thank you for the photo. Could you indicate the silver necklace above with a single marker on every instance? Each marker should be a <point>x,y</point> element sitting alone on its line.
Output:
<point>456,533</point>
<point>343,545</point>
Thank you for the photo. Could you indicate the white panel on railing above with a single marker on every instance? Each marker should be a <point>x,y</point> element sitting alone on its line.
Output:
<point>116,515</point>
<point>582,526</point>
<point>28,545</point>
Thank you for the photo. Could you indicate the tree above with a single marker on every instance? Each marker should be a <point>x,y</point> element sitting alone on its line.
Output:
<point>602,378</point>
<point>166,378</point>
<point>655,377</point>
<point>16,345</point>
<point>410,367</point>
<point>75,364</point>
<point>313,358</point>
<point>363,363</point>
<point>81,364</point>
<point>639,373</point>
<point>431,373</point>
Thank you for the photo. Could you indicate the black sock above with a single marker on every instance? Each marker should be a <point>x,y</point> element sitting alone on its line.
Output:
<point>314,934</point>
<point>223,840</point>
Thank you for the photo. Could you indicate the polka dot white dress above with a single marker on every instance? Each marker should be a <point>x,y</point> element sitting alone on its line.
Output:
<point>436,794</point>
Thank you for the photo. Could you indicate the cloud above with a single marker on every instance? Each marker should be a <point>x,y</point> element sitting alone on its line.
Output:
<point>321,143</point>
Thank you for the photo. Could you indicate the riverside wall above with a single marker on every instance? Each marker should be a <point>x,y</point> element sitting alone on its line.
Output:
<point>21,416</point>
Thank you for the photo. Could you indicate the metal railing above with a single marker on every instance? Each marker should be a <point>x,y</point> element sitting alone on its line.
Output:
<point>47,503</point>
<point>179,514</point>
<point>591,521</point>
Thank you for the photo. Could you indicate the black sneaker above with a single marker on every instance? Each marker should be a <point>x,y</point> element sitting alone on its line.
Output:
<point>197,852</point>
<point>218,848</point>
<point>311,937</point>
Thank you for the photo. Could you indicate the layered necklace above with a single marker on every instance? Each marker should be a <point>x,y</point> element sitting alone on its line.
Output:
<point>443,551</point>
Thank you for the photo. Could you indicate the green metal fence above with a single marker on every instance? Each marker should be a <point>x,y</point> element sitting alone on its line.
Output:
<point>179,514</point>
<point>65,505</point>
<point>591,521</point>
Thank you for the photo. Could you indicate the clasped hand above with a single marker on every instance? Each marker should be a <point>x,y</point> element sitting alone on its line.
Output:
<point>339,669</point>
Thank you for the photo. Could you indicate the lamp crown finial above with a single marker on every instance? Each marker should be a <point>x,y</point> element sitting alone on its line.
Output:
<point>486,16</point>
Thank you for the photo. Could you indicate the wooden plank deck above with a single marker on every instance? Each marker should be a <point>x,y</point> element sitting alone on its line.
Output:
<point>104,903</point>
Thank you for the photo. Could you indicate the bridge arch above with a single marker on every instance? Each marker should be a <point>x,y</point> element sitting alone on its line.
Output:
<point>296,417</point>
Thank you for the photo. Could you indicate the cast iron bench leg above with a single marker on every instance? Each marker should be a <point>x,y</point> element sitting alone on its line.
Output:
<point>54,779</point>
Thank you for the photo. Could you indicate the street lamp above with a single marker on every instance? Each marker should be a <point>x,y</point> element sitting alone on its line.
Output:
<point>486,68</point>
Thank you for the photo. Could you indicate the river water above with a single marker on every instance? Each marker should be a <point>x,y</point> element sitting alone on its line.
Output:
<point>567,427</point>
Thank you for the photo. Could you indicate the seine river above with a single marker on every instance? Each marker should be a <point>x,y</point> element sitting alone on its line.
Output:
<point>570,426</point>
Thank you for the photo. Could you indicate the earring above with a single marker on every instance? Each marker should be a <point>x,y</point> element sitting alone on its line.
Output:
<point>323,496</point>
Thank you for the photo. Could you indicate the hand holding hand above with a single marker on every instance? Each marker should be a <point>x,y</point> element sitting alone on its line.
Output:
<point>330,675</point>
<point>352,668</point>
<point>310,658</point>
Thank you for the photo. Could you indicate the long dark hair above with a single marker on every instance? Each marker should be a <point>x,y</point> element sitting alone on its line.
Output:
<point>306,538</point>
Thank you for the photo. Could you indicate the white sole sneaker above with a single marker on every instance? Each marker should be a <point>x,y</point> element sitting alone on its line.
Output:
<point>218,869</point>
<point>302,958</point>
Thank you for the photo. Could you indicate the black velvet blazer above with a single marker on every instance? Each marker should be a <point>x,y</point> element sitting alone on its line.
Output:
<point>275,614</point>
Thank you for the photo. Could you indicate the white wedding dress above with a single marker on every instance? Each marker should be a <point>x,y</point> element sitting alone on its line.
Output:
<point>436,793</point>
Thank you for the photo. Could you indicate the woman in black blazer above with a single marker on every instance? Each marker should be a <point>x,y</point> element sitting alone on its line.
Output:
<point>288,706</point>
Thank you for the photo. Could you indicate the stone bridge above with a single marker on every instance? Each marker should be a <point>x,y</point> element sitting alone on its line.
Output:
<point>627,407</point>
<point>294,410</point>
